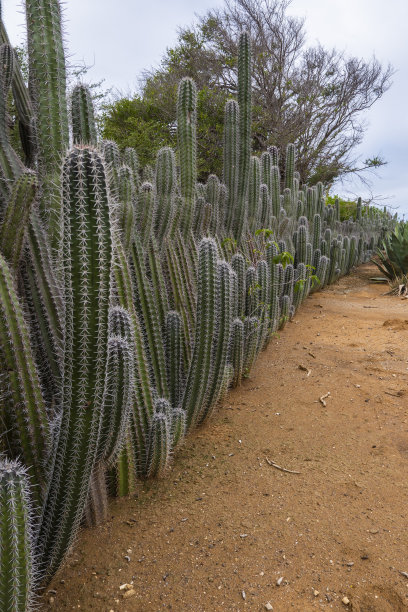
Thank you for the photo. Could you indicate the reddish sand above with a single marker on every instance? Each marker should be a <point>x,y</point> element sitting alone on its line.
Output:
<point>227,530</point>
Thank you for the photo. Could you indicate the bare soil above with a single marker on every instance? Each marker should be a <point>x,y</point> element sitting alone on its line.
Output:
<point>227,530</point>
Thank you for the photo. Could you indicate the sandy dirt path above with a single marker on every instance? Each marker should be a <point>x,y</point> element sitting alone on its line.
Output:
<point>229,531</point>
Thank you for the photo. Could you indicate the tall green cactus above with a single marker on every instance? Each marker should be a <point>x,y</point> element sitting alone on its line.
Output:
<point>221,338</point>
<point>186,134</point>
<point>290,165</point>
<point>159,446</point>
<point>231,159</point>
<point>24,419</point>
<point>201,360</point>
<point>166,184</point>
<point>149,317</point>
<point>237,351</point>
<point>87,254</point>
<point>47,80</point>
<point>245,111</point>
<point>13,228</point>
<point>82,116</point>
<point>239,267</point>
<point>10,165</point>
<point>117,399</point>
<point>16,539</point>
<point>253,192</point>
<point>275,193</point>
<point>174,356</point>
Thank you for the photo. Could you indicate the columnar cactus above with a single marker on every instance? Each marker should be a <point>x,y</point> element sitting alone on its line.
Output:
<point>48,90</point>
<point>237,351</point>
<point>16,539</point>
<point>221,337</point>
<point>159,444</point>
<point>274,153</point>
<point>290,165</point>
<point>25,423</point>
<point>231,160</point>
<point>174,356</point>
<point>149,317</point>
<point>82,116</point>
<point>131,160</point>
<point>165,190</point>
<point>238,265</point>
<point>244,102</point>
<point>117,398</point>
<point>251,292</point>
<point>201,360</point>
<point>266,170</point>
<point>87,254</point>
<point>251,339</point>
<point>125,211</point>
<point>213,190</point>
<point>253,192</point>
<point>275,193</point>
<point>186,134</point>
<point>10,165</point>
<point>16,217</point>
<point>264,209</point>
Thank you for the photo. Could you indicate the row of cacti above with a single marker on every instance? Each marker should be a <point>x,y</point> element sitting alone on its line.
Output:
<point>131,299</point>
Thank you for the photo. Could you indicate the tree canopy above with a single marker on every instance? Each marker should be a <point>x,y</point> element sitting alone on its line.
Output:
<point>311,96</point>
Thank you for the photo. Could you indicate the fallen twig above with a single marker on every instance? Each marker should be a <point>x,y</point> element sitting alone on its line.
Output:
<point>405,574</point>
<point>321,399</point>
<point>397,394</point>
<point>278,467</point>
<point>305,369</point>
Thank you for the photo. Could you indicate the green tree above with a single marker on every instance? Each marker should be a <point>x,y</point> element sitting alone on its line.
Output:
<point>147,123</point>
<point>313,97</point>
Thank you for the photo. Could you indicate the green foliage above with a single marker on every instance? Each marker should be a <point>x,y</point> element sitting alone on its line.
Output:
<point>139,124</point>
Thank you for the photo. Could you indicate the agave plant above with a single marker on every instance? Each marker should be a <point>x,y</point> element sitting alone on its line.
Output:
<point>392,256</point>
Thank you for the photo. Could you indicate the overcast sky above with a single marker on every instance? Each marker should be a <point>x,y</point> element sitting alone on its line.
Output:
<point>122,38</point>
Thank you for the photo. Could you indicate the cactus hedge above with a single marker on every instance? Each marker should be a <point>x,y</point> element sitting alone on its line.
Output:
<point>132,298</point>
